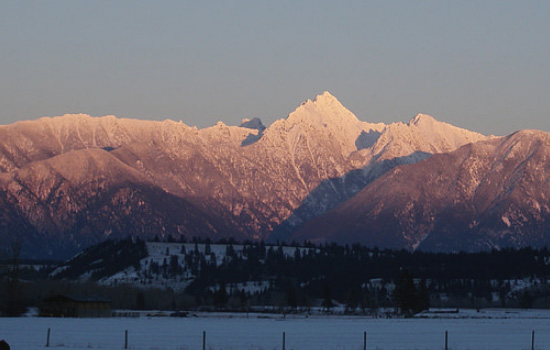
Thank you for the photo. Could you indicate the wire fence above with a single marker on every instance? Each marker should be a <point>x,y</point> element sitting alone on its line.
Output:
<point>274,334</point>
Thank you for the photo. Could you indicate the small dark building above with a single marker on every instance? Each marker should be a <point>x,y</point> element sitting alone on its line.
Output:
<point>75,306</point>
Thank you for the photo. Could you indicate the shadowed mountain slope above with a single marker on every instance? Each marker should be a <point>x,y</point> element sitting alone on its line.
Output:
<point>485,195</point>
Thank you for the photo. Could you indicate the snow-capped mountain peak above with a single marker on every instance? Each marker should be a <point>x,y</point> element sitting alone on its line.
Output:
<point>325,108</point>
<point>423,133</point>
<point>422,119</point>
<point>326,98</point>
<point>325,120</point>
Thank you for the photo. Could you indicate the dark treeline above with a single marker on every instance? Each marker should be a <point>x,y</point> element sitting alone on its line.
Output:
<point>285,278</point>
<point>369,278</point>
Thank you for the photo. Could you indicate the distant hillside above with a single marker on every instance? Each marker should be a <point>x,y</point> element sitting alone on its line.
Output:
<point>298,278</point>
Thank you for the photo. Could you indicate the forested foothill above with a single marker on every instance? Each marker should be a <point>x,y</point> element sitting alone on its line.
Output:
<point>285,278</point>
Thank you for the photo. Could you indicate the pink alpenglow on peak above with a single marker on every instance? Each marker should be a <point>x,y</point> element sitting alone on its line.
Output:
<point>422,118</point>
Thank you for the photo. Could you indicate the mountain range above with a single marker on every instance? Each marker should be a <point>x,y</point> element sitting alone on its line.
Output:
<point>320,174</point>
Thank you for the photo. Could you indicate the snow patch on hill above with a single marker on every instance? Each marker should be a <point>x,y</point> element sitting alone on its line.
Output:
<point>154,271</point>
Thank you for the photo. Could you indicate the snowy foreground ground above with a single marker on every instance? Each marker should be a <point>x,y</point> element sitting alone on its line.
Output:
<point>497,329</point>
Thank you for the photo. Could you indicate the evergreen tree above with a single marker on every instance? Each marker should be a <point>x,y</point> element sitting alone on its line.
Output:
<point>327,298</point>
<point>140,301</point>
<point>220,296</point>
<point>292,299</point>
<point>405,294</point>
<point>423,302</point>
<point>175,268</point>
<point>526,301</point>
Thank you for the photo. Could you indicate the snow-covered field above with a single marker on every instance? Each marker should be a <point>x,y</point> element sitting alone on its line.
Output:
<point>490,330</point>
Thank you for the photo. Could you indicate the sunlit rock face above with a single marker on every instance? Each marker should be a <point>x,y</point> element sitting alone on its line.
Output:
<point>71,181</point>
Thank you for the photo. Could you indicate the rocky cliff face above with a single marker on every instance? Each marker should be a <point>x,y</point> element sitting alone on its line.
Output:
<point>70,181</point>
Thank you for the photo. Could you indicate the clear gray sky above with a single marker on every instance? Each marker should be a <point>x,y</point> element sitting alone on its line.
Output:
<point>483,65</point>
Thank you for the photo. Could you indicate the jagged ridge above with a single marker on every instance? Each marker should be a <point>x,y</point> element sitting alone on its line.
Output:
<point>223,180</point>
<point>486,195</point>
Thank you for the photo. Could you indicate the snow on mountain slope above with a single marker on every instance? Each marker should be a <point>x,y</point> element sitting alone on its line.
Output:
<point>246,181</point>
<point>251,188</point>
<point>396,144</point>
<point>226,135</point>
<point>28,141</point>
<point>484,195</point>
<point>82,197</point>
<point>325,118</point>
<point>422,134</point>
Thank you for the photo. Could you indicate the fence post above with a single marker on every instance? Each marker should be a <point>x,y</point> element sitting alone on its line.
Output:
<point>364,340</point>
<point>48,339</point>
<point>446,340</point>
<point>284,340</point>
<point>533,340</point>
<point>126,339</point>
<point>203,340</point>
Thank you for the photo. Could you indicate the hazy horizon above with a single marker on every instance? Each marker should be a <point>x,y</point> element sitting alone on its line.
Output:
<point>477,65</point>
